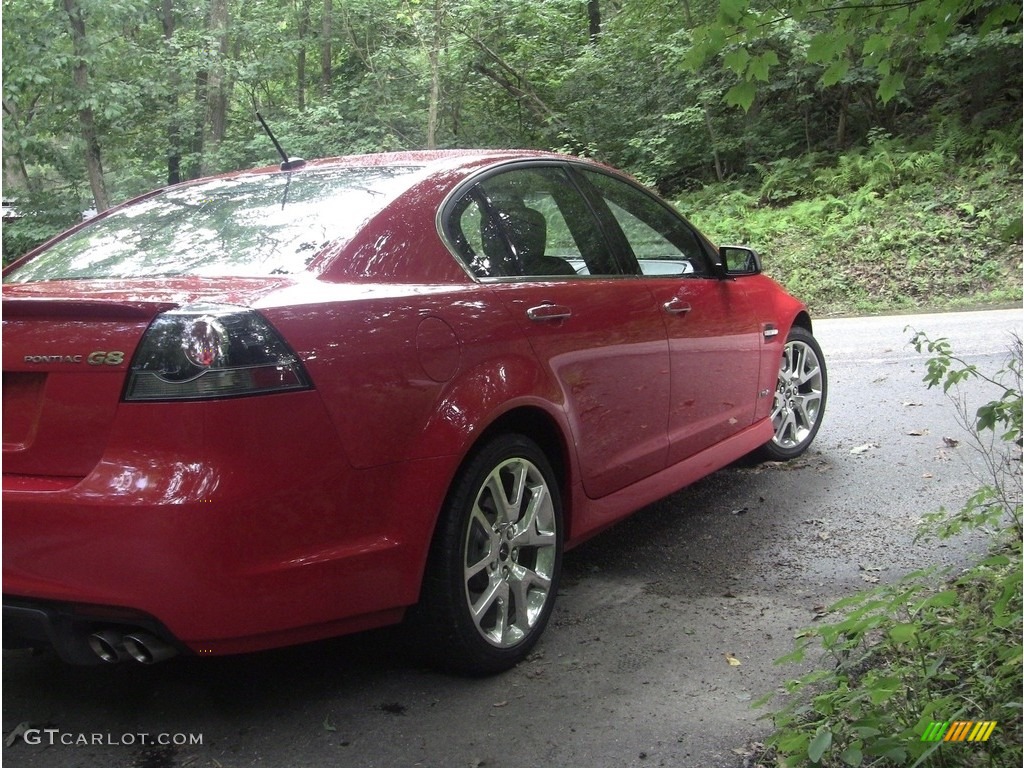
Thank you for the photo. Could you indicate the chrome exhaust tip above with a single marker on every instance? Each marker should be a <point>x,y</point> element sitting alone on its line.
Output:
<point>108,645</point>
<point>147,649</point>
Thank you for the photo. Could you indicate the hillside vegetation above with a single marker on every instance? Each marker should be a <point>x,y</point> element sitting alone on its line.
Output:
<point>871,150</point>
<point>886,228</point>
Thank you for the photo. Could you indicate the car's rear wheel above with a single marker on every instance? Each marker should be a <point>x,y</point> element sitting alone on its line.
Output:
<point>494,564</point>
<point>800,394</point>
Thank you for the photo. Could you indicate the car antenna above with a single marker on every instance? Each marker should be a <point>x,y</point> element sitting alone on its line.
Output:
<point>288,163</point>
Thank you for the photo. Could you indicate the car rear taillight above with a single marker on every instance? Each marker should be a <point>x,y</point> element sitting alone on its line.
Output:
<point>208,351</point>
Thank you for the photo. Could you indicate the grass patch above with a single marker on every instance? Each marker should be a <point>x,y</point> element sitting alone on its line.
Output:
<point>885,230</point>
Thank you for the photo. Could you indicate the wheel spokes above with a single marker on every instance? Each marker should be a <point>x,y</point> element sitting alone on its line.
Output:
<point>511,546</point>
<point>798,395</point>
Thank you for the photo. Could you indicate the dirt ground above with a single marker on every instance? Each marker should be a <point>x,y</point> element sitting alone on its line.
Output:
<point>665,630</point>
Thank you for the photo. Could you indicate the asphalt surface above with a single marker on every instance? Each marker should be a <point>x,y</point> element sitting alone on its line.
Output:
<point>639,664</point>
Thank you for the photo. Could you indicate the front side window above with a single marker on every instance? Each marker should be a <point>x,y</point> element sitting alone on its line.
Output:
<point>661,241</point>
<point>257,225</point>
<point>528,223</point>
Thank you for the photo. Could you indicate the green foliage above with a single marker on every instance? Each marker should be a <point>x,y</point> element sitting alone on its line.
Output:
<point>679,94</point>
<point>997,503</point>
<point>888,38</point>
<point>929,647</point>
<point>947,370</point>
<point>891,226</point>
<point>903,655</point>
<point>41,216</point>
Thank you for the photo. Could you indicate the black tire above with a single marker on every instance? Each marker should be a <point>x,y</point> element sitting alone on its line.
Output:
<point>494,564</point>
<point>800,394</point>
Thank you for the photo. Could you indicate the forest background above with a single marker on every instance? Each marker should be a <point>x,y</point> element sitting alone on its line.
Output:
<point>870,149</point>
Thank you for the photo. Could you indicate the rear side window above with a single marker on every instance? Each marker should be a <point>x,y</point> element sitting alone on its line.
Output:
<point>257,225</point>
<point>528,222</point>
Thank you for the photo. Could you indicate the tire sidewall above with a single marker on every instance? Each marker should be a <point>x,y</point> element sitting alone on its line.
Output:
<point>776,452</point>
<point>444,605</point>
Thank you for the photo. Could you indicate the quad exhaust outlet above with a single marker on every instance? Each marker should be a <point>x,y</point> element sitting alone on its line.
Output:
<point>108,645</point>
<point>113,646</point>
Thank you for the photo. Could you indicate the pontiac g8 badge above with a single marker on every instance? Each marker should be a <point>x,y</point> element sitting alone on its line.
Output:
<point>93,358</point>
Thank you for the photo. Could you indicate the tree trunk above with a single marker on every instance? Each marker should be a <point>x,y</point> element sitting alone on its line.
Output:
<point>594,19</point>
<point>541,111</point>
<point>173,125</point>
<point>16,175</point>
<point>516,87</point>
<point>688,15</point>
<point>844,106</point>
<point>86,118</point>
<point>216,88</point>
<point>300,73</point>
<point>198,124</point>
<point>434,59</point>
<point>714,146</point>
<point>326,31</point>
<point>15,171</point>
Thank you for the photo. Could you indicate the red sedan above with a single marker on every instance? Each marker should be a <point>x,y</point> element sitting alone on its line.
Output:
<point>281,405</point>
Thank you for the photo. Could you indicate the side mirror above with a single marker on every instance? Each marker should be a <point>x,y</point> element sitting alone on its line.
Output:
<point>739,260</point>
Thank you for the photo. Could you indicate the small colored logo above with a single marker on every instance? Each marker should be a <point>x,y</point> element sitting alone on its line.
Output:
<point>959,730</point>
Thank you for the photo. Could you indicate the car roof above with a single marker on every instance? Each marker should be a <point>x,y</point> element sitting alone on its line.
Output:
<point>422,195</point>
<point>431,161</point>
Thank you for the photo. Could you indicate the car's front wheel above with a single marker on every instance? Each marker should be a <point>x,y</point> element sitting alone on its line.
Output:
<point>494,564</point>
<point>800,394</point>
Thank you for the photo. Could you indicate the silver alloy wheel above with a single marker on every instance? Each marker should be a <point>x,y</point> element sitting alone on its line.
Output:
<point>799,395</point>
<point>510,552</point>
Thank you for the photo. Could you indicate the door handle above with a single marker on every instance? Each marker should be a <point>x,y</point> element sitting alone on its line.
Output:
<point>546,312</point>
<point>676,306</point>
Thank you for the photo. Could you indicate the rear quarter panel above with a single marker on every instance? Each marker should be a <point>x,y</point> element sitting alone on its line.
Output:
<point>412,372</point>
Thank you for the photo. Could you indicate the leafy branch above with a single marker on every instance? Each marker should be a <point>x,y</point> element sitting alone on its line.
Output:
<point>900,657</point>
<point>994,430</point>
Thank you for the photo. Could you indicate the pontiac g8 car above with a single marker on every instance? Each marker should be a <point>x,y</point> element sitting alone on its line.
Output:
<point>276,406</point>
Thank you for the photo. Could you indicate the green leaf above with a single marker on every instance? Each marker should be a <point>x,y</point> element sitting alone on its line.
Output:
<point>823,47</point>
<point>865,731</point>
<point>741,95</point>
<point>895,753</point>
<point>995,560</point>
<point>820,744</point>
<point>943,599</point>
<point>797,654</point>
<point>891,84</point>
<point>903,633</point>
<point>1010,12</point>
<point>836,72</point>
<point>877,45</point>
<point>793,742</point>
<point>881,691</point>
<point>697,54</point>
<point>760,65</point>
<point>731,11</point>
<point>853,755</point>
<point>736,60</point>
<point>936,36</point>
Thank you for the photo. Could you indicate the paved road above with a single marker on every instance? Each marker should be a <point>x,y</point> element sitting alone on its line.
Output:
<point>633,669</point>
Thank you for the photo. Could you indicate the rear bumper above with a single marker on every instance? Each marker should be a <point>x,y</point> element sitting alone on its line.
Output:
<point>292,549</point>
